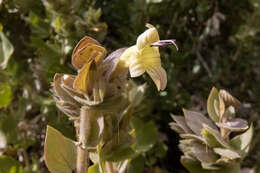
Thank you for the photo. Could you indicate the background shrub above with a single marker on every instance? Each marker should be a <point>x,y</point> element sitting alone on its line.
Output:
<point>219,46</point>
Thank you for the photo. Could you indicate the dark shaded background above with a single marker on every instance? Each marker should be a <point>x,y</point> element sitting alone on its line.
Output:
<point>219,46</point>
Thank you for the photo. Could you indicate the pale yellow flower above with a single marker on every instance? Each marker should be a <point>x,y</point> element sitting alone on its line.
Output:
<point>145,57</point>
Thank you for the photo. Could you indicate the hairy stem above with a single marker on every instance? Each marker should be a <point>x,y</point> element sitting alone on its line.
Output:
<point>224,132</point>
<point>82,152</point>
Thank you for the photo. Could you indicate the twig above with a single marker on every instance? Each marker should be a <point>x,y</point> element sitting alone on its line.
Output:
<point>26,161</point>
<point>200,58</point>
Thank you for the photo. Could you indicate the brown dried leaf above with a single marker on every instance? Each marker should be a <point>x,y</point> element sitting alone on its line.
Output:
<point>228,99</point>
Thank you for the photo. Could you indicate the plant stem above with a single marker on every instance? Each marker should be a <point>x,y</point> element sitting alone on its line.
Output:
<point>26,160</point>
<point>224,132</point>
<point>82,152</point>
<point>109,167</point>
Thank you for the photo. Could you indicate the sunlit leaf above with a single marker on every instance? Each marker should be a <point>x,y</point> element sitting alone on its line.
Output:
<point>241,142</point>
<point>60,153</point>
<point>227,153</point>
<point>5,95</point>
<point>213,137</point>
<point>10,165</point>
<point>6,50</point>
<point>94,169</point>
<point>210,104</point>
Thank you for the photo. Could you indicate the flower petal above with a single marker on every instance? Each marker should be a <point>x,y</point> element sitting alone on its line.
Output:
<point>112,60</point>
<point>136,70</point>
<point>162,43</point>
<point>159,77</point>
<point>148,37</point>
<point>128,55</point>
<point>236,124</point>
<point>150,57</point>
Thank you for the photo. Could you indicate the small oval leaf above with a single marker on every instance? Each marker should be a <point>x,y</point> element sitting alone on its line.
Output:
<point>60,153</point>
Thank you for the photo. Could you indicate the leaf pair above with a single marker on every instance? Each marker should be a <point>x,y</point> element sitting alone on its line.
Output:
<point>6,50</point>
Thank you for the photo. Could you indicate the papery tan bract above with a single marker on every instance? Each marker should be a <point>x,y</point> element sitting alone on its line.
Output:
<point>86,50</point>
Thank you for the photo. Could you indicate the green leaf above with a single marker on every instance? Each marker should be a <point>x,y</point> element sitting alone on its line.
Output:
<point>117,153</point>
<point>3,140</point>
<point>60,153</point>
<point>213,138</point>
<point>210,104</point>
<point>8,125</point>
<point>6,50</point>
<point>94,169</point>
<point>38,26</point>
<point>195,167</point>
<point>9,165</point>
<point>232,167</point>
<point>192,165</point>
<point>136,165</point>
<point>241,142</point>
<point>5,95</point>
<point>118,148</point>
<point>146,134</point>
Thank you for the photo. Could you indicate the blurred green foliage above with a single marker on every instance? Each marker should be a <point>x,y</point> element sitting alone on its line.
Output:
<point>219,46</point>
